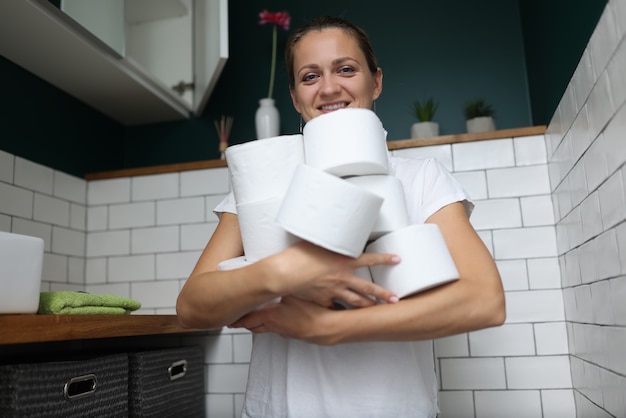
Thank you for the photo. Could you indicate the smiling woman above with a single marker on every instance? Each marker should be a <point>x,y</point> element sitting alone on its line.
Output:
<point>301,363</point>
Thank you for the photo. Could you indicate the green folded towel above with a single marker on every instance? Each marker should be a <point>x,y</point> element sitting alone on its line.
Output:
<point>80,303</point>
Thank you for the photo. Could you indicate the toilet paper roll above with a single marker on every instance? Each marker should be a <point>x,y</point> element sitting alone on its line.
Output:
<point>426,261</point>
<point>393,213</point>
<point>234,263</point>
<point>328,211</point>
<point>347,142</point>
<point>263,168</point>
<point>260,233</point>
<point>21,262</point>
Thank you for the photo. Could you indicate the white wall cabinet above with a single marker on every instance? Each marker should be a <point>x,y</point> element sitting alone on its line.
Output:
<point>122,58</point>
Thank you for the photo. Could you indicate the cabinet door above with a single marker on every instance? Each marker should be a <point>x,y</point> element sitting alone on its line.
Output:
<point>105,19</point>
<point>40,38</point>
<point>210,47</point>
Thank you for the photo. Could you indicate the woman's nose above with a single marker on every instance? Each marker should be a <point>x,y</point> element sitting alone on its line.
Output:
<point>329,86</point>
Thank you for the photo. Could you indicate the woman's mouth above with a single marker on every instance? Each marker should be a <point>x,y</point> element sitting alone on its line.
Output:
<point>334,106</point>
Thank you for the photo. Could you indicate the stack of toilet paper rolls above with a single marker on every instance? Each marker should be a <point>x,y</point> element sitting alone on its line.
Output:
<point>331,186</point>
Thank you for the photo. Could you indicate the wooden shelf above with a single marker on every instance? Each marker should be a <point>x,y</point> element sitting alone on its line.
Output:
<point>18,329</point>
<point>159,169</point>
<point>466,137</point>
<point>391,145</point>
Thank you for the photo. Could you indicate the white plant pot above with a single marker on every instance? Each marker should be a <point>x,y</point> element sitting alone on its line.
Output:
<point>424,129</point>
<point>480,124</point>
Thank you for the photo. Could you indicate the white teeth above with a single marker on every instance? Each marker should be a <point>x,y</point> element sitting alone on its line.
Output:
<point>334,107</point>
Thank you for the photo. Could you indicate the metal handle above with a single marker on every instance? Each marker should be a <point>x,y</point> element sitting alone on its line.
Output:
<point>182,86</point>
<point>80,387</point>
<point>177,370</point>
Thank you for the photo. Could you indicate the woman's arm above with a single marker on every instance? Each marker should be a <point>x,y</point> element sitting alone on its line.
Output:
<point>473,302</point>
<point>211,298</point>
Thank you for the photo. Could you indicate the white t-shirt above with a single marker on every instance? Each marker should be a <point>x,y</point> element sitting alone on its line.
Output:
<point>292,378</point>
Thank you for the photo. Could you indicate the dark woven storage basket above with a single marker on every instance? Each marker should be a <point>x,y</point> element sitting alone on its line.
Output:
<point>94,387</point>
<point>167,383</point>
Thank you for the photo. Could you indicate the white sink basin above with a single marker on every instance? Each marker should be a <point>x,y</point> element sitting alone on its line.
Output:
<point>21,260</point>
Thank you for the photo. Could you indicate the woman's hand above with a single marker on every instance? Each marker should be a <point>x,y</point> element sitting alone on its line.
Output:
<point>321,276</point>
<point>291,318</point>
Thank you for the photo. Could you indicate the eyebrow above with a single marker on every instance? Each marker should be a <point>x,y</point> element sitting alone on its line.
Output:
<point>337,61</point>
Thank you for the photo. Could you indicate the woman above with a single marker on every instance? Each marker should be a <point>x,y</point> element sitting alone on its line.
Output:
<point>301,363</point>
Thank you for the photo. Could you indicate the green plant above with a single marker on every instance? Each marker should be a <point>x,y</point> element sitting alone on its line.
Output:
<point>477,108</point>
<point>425,111</point>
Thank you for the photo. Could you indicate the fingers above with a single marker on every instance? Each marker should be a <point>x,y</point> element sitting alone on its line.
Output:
<point>369,288</point>
<point>365,293</point>
<point>329,275</point>
<point>373,259</point>
<point>353,299</point>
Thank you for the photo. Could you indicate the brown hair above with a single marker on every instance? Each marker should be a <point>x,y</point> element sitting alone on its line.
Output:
<point>325,22</point>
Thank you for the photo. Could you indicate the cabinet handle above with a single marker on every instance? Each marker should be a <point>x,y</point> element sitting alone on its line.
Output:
<point>80,387</point>
<point>181,87</point>
<point>177,370</point>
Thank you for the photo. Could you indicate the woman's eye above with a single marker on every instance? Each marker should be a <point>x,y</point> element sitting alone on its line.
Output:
<point>346,70</point>
<point>309,77</point>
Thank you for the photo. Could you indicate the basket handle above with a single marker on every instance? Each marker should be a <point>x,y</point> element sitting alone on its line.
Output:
<point>80,386</point>
<point>177,370</point>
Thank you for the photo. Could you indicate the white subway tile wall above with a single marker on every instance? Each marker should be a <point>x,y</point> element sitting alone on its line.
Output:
<point>506,371</point>
<point>38,201</point>
<point>147,234</point>
<point>586,156</point>
<point>497,404</point>
<point>551,209</point>
<point>514,209</point>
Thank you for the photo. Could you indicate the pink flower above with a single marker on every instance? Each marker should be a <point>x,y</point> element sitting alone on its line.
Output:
<point>281,19</point>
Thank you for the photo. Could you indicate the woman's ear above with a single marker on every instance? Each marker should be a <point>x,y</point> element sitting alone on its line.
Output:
<point>378,83</point>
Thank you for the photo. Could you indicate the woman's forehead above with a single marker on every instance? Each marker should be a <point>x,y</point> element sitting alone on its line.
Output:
<point>327,41</point>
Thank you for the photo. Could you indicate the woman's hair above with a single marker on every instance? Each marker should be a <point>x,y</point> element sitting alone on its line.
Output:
<point>325,22</point>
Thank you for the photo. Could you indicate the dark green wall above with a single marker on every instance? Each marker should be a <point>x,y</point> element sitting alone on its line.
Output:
<point>555,33</point>
<point>452,50</point>
<point>43,124</point>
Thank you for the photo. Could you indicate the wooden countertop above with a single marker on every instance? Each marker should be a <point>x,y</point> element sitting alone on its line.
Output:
<point>391,145</point>
<point>18,329</point>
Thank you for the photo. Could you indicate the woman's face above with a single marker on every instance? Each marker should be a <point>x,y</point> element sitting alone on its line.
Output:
<point>331,73</point>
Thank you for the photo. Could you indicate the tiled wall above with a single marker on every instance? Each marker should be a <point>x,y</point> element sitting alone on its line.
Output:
<point>587,150</point>
<point>38,201</point>
<point>522,366</point>
<point>145,233</point>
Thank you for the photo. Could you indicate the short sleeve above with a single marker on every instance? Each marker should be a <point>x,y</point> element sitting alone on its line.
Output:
<point>428,186</point>
<point>228,204</point>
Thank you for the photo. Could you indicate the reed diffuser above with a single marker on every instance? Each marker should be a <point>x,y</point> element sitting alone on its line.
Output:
<point>223,128</point>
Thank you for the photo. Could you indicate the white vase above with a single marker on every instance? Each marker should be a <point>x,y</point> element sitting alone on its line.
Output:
<point>267,119</point>
<point>480,124</point>
<point>424,130</point>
